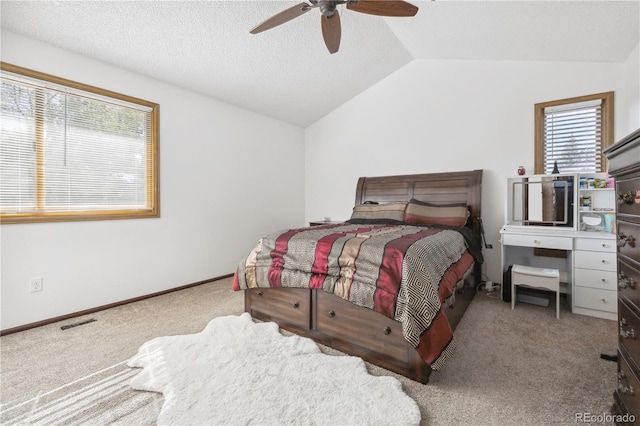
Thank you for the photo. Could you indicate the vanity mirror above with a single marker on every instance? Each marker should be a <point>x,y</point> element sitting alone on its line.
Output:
<point>542,201</point>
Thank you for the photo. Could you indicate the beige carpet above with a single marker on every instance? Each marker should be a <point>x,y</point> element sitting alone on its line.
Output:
<point>511,367</point>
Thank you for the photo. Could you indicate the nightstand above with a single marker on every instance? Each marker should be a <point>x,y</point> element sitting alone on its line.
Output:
<point>324,222</point>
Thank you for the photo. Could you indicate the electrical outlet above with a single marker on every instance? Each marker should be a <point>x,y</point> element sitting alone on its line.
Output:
<point>36,284</point>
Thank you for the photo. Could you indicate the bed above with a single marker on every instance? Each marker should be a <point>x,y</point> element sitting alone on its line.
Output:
<point>388,285</point>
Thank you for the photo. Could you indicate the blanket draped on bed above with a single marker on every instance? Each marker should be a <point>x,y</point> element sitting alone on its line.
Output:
<point>404,272</point>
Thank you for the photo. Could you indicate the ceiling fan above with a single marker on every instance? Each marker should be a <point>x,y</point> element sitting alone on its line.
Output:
<point>331,29</point>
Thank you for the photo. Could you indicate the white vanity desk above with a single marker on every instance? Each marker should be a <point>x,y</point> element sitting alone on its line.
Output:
<point>587,273</point>
<point>551,212</point>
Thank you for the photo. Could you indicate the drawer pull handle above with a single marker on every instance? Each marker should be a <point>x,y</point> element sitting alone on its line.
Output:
<point>629,197</point>
<point>296,304</point>
<point>626,389</point>
<point>387,330</point>
<point>628,334</point>
<point>259,293</point>
<point>331,314</point>
<point>537,241</point>
<point>604,280</point>
<point>603,261</point>
<point>604,245</point>
<point>623,240</point>
<point>624,281</point>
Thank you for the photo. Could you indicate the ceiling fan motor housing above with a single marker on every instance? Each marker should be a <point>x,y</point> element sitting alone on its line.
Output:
<point>327,7</point>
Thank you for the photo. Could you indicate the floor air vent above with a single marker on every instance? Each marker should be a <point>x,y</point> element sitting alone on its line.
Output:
<point>64,327</point>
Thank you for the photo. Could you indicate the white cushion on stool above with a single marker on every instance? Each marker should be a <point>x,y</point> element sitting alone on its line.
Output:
<point>530,276</point>
<point>535,277</point>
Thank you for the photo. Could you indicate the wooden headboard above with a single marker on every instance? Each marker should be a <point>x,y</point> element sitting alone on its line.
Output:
<point>437,188</point>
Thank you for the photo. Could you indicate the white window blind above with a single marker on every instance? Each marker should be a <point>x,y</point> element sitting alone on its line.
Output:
<point>67,150</point>
<point>573,137</point>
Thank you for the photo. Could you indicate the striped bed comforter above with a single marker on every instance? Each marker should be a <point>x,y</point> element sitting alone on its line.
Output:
<point>402,271</point>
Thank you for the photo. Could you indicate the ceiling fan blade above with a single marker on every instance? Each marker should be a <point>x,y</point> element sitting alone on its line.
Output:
<point>282,17</point>
<point>383,7</point>
<point>331,31</point>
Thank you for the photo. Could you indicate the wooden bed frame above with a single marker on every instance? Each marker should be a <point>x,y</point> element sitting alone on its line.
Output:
<point>359,331</point>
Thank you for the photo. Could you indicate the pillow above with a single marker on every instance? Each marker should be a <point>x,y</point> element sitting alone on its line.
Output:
<point>419,212</point>
<point>393,211</point>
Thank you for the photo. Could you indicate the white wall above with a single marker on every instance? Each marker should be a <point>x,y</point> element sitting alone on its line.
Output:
<point>216,200</point>
<point>438,116</point>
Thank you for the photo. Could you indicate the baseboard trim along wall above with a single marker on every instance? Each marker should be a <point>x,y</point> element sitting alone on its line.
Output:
<point>103,307</point>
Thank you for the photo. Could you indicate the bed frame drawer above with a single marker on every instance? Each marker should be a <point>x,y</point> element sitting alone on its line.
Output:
<point>335,317</point>
<point>290,307</point>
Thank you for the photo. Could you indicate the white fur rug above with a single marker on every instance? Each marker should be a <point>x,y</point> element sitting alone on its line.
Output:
<point>237,371</point>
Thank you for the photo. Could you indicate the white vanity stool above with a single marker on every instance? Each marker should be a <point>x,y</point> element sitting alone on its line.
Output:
<point>543,278</point>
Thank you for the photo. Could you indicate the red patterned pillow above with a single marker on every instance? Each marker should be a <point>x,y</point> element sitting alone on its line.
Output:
<point>419,212</point>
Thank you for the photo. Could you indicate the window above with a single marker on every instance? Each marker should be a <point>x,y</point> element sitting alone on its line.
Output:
<point>572,133</point>
<point>69,151</point>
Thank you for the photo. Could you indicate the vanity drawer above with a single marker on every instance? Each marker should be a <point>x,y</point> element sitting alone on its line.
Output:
<point>594,298</point>
<point>595,244</point>
<point>628,191</point>
<point>605,280</point>
<point>542,241</point>
<point>595,260</point>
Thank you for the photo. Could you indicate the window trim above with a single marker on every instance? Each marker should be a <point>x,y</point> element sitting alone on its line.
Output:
<point>153,163</point>
<point>607,99</point>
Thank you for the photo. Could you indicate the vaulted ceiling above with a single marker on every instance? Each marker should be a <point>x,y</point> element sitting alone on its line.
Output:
<point>287,72</point>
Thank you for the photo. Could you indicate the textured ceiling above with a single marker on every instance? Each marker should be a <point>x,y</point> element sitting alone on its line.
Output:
<point>287,73</point>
